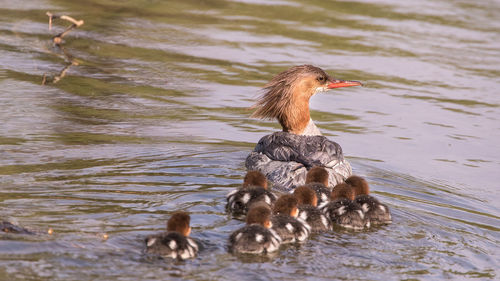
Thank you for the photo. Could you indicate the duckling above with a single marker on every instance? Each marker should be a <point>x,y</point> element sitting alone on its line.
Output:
<point>285,222</point>
<point>375,211</point>
<point>317,180</point>
<point>175,243</point>
<point>256,237</point>
<point>342,211</point>
<point>254,189</point>
<point>308,210</point>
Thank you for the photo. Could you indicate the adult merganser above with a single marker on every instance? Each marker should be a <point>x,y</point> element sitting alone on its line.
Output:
<point>317,180</point>
<point>308,211</point>
<point>284,157</point>
<point>253,190</point>
<point>256,237</point>
<point>375,211</point>
<point>342,211</point>
<point>285,222</point>
<point>175,243</point>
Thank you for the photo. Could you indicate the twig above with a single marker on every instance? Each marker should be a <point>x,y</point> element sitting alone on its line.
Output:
<point>75,23</point>
<point>63,72</point>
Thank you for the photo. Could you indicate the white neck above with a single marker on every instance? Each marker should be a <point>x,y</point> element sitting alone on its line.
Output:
<point>311,129</point>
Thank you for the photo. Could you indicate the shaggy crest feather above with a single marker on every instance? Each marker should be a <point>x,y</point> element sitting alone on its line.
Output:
<point>278,100</point>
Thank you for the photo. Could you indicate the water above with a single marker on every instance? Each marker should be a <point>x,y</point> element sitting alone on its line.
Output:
<point>154,119</point>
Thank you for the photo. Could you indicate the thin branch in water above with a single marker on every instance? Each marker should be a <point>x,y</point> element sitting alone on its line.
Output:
<point>57,42</point>
<point>75,23</point>
<point>63,72</point>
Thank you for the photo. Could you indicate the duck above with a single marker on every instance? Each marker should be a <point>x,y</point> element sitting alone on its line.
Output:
<point>376,212</point>
<point>343,211</point>
<point>285,222</point>
<point>317,180</point>
<point>308,210</point>
<point>284,157</point>
<point>254,189</point>
<point>257,236</point>
<point>175,243</point>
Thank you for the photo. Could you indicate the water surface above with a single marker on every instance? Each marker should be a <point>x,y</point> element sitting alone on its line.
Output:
<point>154,117</point>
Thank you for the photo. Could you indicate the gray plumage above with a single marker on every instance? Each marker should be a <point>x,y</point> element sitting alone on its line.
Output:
<point>315,218</point>
<point>284,159</point>
<point>345,213</point>
<point>375,212</point>
<point>322,192</point>
<point>254,239</point>
<point>239,201</point>
<point>290,229</point>
<point>171,245</point>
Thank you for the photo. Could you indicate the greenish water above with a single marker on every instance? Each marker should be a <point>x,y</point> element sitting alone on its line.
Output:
<point>154,119</point>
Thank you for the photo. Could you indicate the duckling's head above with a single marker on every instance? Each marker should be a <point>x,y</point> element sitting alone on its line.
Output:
<point>306,196</point>
<point>259,214</point>
<point>342,190</point>
<point>286,205</point>
<point>359,184</point>
<point>179,222</point>
<point>317,174</point>
<point>255,178</point>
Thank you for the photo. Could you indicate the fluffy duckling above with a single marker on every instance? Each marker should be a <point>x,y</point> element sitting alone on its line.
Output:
<point>285,222</point>
<point>256,237</point>
<point>342,211</point>
<point>317,180</point>
<point>175,243</point>
<point>308,211</point>
<point>253,190</point>
<point>375,212</point>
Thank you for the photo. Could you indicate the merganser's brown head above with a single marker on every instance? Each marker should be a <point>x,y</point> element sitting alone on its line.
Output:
<point>255,178</point>
<point>259,214</point>
<point>317,174</point>
<point>359,184</point>
<point>286,205</point>
<point>342,190</point>
<point>286,96</point>
<point>305,196</point>
<point>179,222</point>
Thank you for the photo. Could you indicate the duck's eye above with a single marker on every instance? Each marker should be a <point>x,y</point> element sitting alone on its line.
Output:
<point>321,78</point>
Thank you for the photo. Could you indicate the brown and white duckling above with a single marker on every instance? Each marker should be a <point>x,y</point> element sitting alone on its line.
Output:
<point>308,210</point>
<point>256,237</point>
<point>317,180</point>
<point>175,243</point>
<point>285,222</point>
<point>341,210</point>
<point>253,190</point>
<point>375,212</point>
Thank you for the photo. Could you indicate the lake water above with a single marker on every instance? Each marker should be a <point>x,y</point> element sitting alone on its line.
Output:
<point>153,117</point>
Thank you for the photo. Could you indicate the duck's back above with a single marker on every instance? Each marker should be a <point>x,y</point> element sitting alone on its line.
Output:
<point>239,201</point>
<point>322,192</point>
<point>290,229</point>
<point>254,239</point>
<point>285,157</point>
<point>345,213</point>
<point>315,218</point>
<point>375,211</point>
<point>172,245</point>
